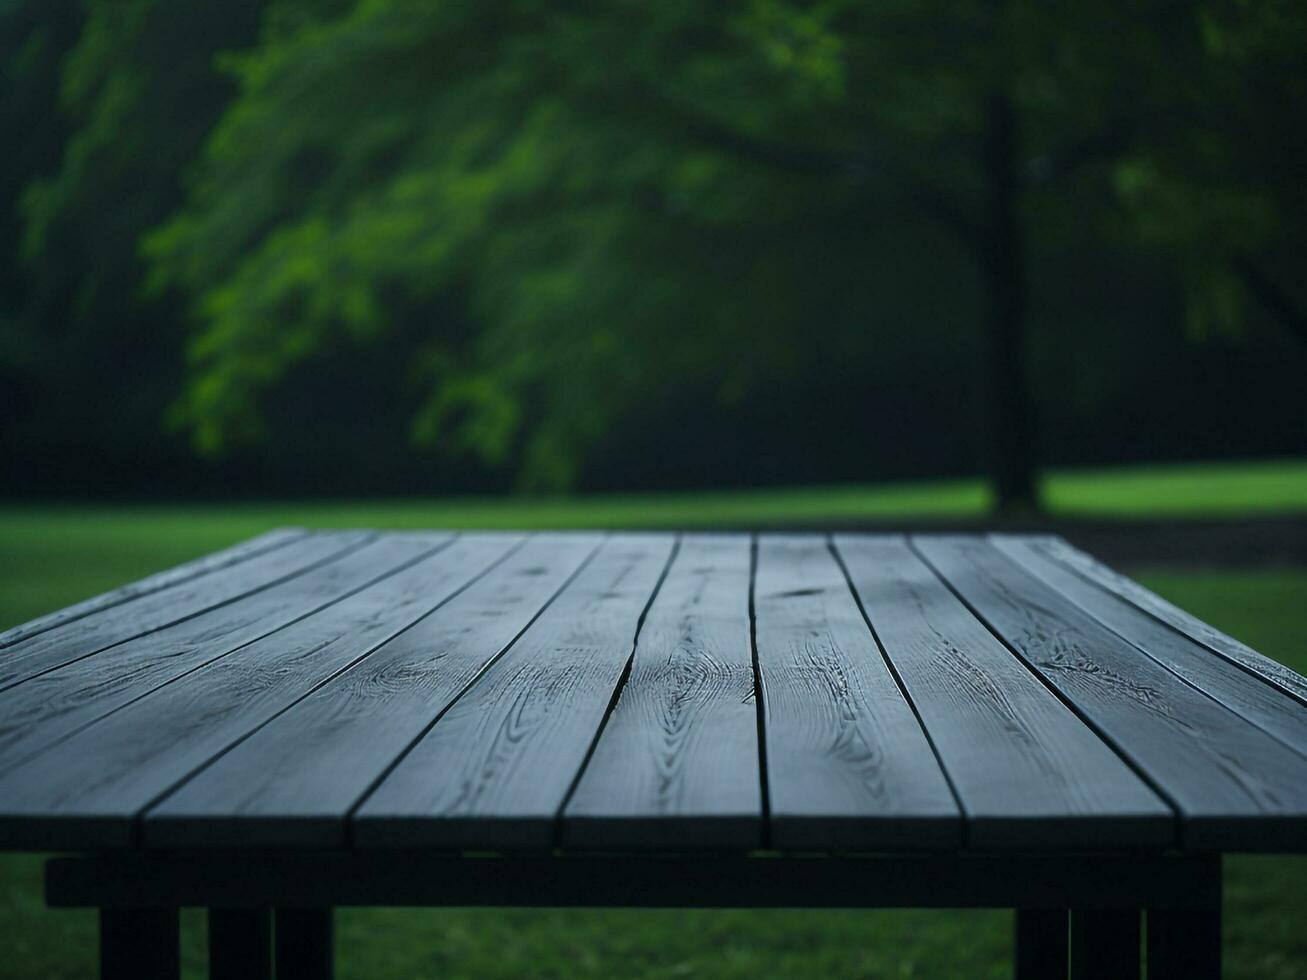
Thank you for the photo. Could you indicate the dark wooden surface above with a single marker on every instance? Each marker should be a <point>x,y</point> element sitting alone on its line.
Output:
<point>344,691</point>
<point>848,765</point>
<point>1027,771</point>
<point>678,757</point>
<point>511,746</point>
<point>1232,784</point>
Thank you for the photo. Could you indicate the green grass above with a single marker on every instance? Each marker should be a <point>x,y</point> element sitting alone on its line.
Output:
<point>50,557</point>
<point>79,548</point>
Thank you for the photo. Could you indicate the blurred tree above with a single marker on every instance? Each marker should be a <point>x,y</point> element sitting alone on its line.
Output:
<point>108,100</point>
<point>1222,190</point>
<point>558,210</point>
<point>34,36</point>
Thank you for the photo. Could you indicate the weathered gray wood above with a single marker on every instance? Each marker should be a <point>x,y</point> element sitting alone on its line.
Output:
<point>847,762</point>
<point>1235,787</point>
<point>677,763</point>
<point>1027,771</point>
<point>81,638</point>
<point>139,753</point>
<point>293,782</point>
<point>492,691</point>
<point>154,583</point>
<point>496,768</point>
<point>1153,604</point>
<point>1266,705</point>
<point>38,716</point>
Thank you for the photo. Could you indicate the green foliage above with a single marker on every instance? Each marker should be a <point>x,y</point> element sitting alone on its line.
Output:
<point>125,92</point>
<point>601,247</point>
<point>1219,186</point>
<point>560,212</point>
<point>636,195</point>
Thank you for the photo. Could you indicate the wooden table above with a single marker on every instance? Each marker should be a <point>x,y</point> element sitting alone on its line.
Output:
<point>314,719</point>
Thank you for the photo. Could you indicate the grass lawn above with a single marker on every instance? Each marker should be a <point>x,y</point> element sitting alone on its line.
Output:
<point>50,557</point>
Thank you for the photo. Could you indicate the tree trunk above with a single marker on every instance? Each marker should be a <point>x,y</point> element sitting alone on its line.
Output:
<point>1013,459</point>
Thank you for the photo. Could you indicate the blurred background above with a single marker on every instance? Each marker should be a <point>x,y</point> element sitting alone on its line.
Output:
<point>790,263</point>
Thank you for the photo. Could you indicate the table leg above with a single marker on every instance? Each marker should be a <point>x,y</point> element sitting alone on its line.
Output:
<point>139,944</point>
<point>1105,944</point>
<point>304,944</point>
<point>1184,944</point>
<point>1040,944</point>
<point>240,944</point>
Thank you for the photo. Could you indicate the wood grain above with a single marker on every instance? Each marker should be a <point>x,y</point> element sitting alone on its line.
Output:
<point>1209,636</point>
<point>496,768</point>
<point>848,764</point>
<point>1027,771</point>
<point>1234,786</point>
<point>97,780</point>
<point>293,782</point>
<point>1249,695</point>
<point>102,632</point>
<point>139,753</point>
<point>154,583</point>
<point>51,707</point>
<point>645,693</point>
<point>677,763</point>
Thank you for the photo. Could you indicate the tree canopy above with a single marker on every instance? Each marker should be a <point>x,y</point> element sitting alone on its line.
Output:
<point>556,211</point>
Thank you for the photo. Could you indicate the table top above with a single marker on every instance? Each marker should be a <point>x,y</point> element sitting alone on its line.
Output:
<point>645,692</point>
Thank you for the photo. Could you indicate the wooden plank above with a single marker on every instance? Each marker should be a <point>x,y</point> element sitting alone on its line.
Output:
<point>496,768</point>
<point>848,764</point>
<point>98,633</point>
<point>50,708</point>
<point>154,583</point>
<point>294,781</point>
<point>1235,787</point>
<point>1231,649</point>
<point>677,762</point>
<point>1027,771</point>
<point>1266,705</point>
<point>94,784</point>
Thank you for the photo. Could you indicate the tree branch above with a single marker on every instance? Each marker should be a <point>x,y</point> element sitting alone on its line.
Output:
<point>1272,296</point>
<point>1111,139</point>
<point>671,116</point>
<point>931,199</point>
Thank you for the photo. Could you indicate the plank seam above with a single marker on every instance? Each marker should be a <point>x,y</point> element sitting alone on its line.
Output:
<point>1161,663</point>
<point>1148,780</point>
<point>616,695</point>
<point>759,707</point>
<point>227,653</point>
<point>403,754</point>
<point>965,829</point>
<point>164,794</point>
<point>1270,681</point>
<point>335,556</point>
